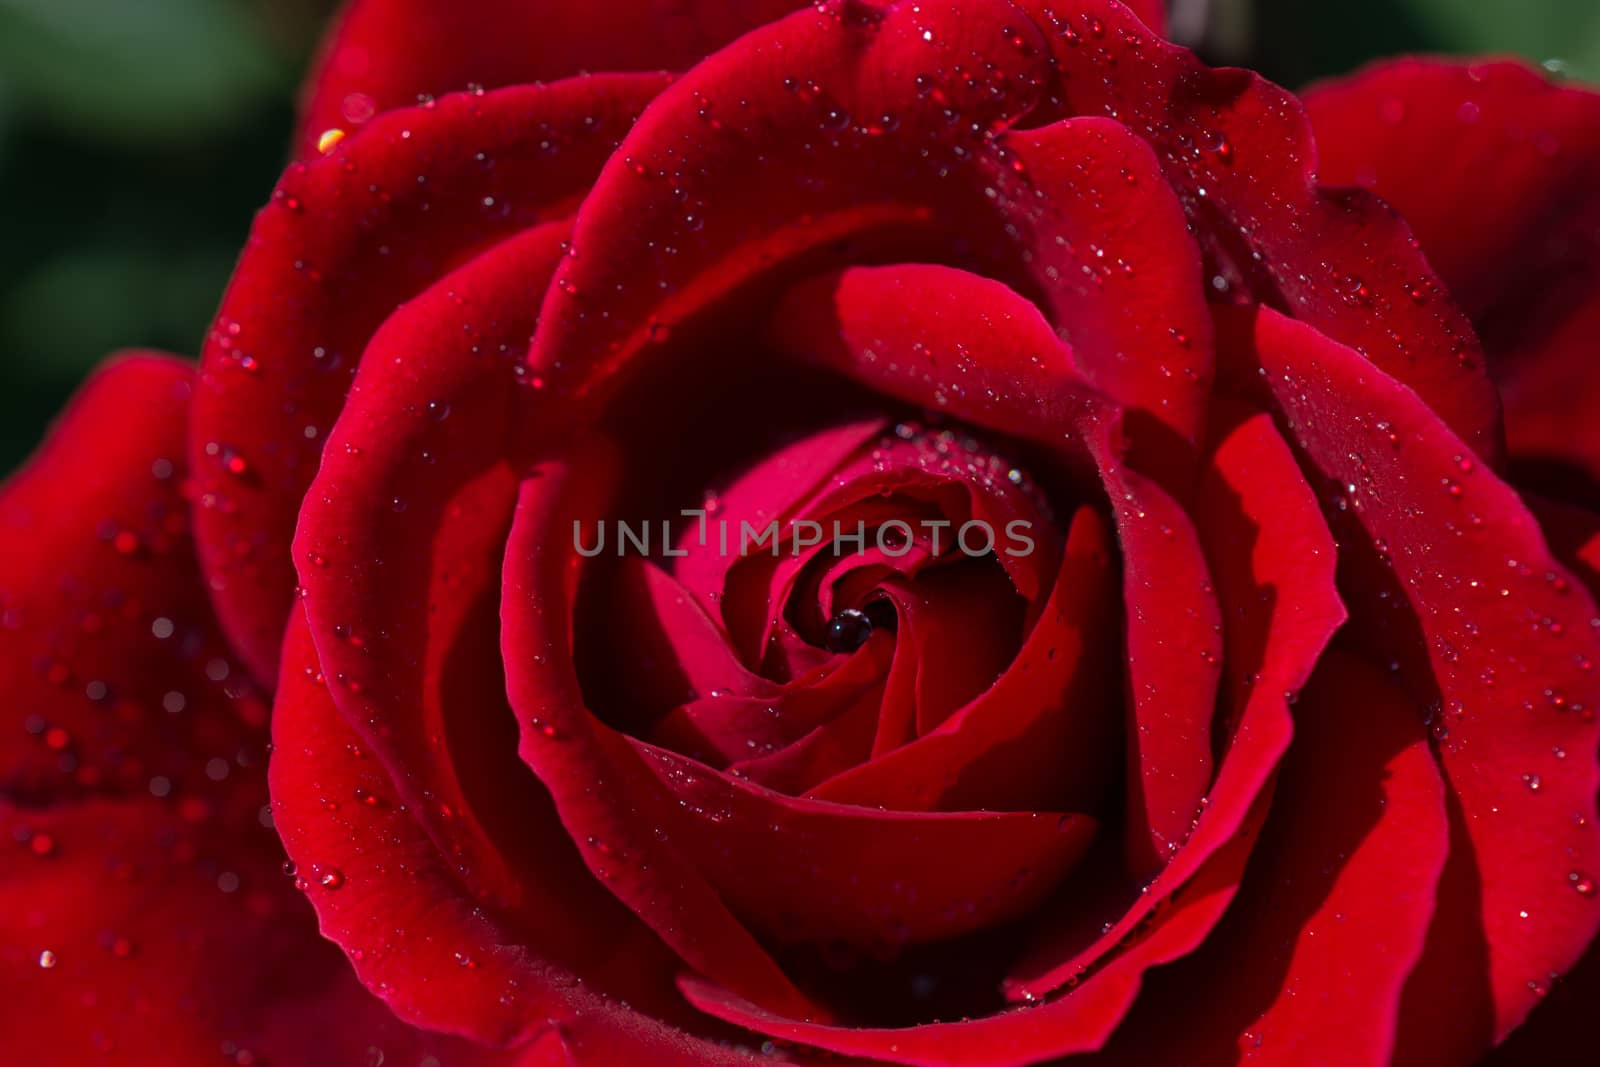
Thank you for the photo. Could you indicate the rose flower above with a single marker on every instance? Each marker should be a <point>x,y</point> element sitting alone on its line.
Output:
<point>935,533</point>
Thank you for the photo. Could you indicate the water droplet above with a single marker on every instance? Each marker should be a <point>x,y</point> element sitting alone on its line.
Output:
<point>1217,142</point>
<point>331,878</point>
<point>47,959</point>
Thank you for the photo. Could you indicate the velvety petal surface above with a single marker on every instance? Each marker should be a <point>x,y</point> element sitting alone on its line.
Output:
<point>1013,376</point>
<point>1240,154</point>
<point>344,241</point>
<point>143,912</point>
<point>409,923</point>
<point>398,549</point>
<point>1518,152</point>
<point>1311,959</point>
<point>1505,641</point>
<point>114,672</point>
<point>384,54</point>
<point>872,123</point>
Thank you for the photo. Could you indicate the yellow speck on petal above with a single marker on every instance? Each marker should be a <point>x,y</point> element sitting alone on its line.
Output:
<point>329,140</point>
<point>47,959</point>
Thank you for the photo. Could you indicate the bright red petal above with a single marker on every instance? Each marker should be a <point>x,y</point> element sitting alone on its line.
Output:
<point>1273,561</point>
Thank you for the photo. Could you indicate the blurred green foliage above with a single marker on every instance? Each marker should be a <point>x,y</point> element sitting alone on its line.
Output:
<point>137,138</point>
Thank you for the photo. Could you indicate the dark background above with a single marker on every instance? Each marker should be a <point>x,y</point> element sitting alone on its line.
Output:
<point>137,138</point>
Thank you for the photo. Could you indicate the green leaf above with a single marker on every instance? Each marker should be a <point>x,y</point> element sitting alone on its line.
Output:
<point>1562,33</point>
<point>134,69</point>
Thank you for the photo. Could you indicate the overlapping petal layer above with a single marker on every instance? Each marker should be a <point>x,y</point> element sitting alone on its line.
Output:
<point>1519,154</point>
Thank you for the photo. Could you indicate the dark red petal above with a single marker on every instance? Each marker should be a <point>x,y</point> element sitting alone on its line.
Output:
<point>680,662</point>
<point>1239,151</point>
<point>1574,536</point>
<point>1173,659</point>
<point>115,676</point>
<point>614,1035</point>
<point>816,872</point>
<point>1015,377</point>
<point>1519,154</point>
<point>1038,738</point>
<point>1562,1026</point>
<point>146,937</point>
<point>611,803</point>
<point>1078,1022</point>
<point>345,240</point>
<point>1436,138</point>
<point>405,916</point>
<point>1256,502</point>
<point>386,53</point>
<point>1011,391</point>
<point>1509,638</point>
<point>768,491</point>
<point>1273,560</point>
<point>399,548</point>
<point>871,125</point>
<point>1310,961</point>
<point>1134,308</point>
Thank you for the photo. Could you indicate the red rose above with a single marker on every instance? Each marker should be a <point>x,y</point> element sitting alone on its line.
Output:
<point>992,553</point>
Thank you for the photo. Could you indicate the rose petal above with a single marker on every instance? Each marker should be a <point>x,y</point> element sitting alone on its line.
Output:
<point>770,490</point>
<point>1038,739</point>
<point>126,916</point>
<point>803,870</point>
<point>1561,1023</point>
<point>874,129</point>
<point>149,938</point>
<point>345,240</point>
<point>384,54</point>
<point>1079,1022</point>
<point>1310,961</point>
<point>1273,560</point>
<point>1034,391</point>
<point>116,676</point>
<point>408,921</point>
<point>1440,140</point>
<point>608,799</point>
<point>1239,152</point>
<point>399,545</point>
<point>1507,637</point>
